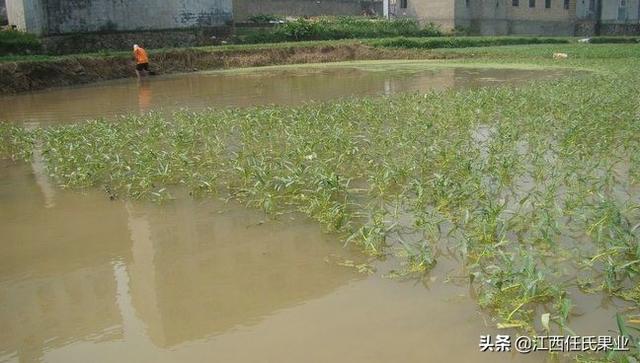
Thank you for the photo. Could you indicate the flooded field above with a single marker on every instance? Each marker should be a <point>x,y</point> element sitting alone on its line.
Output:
<point>91,275</point>
<point>84,279</point>
<point>239,88</point>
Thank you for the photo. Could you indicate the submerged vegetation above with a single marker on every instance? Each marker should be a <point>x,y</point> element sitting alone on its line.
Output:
<point>535,188</point>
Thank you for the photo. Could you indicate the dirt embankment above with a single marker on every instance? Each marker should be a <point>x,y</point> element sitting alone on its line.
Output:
<point>36,75</point>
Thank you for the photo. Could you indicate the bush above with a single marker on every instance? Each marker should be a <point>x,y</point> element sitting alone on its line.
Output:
<point>332,28</point>
<point>602,40</point>
<point>15,42</point>
<point>297,30</point>
<point>463,42</point>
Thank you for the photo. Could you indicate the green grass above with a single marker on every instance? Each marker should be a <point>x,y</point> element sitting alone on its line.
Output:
<point>464,42</point>
<point>417,43</point>
<point>610,40</point>
<point>16,43</point>
<point>521,182</point>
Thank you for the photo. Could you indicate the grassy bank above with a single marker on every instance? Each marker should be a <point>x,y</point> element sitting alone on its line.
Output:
<point>406,42</point>
<point>614,40</point>
<point>415,43</point>
<point>34,72</point>
<point>534,188</point>
<point>464,42</point>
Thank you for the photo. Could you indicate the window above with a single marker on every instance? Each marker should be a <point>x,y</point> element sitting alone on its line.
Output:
<point>403,4</point>
<point>566,4</point>
<point>532,3</point>
<point>515,2</point>
<point>547,4</point>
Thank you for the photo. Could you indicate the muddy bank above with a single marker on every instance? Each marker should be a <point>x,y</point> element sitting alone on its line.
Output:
<point>36,75</point>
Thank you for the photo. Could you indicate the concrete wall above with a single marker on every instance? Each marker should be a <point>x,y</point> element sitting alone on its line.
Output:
<point>540,20</point>
<point>243,9</point>
<point>495,17</point>
<point>617,17</point>
<point>556,12</point>
<point>3,13</point>
<point>47,17</point>
<point>484,17</point>
<point>619,11</point>
<point>15,13</point>
<point>439,12</point>
<point>586,9</point>
<point>122,40</point>
<point>613,11</point>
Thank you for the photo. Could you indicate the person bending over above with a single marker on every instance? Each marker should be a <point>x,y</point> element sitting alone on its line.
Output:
<point>142,60</point>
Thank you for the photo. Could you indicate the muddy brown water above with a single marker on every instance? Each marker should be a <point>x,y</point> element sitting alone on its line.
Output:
<point>86,279</point>
<point>259,86</point>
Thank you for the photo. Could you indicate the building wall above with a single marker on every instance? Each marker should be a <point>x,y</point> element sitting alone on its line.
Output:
<point>613,11</point>
<point>439,12</point>
<point>485,17</point>
<point>586,17</point>
<point>3,13</point>
<point>620,11</point>
<point>15,13</point>
<point>617,17</point>
<point>495,17</point>
<point>243,9</point>
<point>556,12</point>
<point>540,20</point>
<point>586,9</point>
<point>47,17</point>
<point>122,40</point>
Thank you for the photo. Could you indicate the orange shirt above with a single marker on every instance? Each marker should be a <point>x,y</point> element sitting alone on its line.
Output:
<point>141,56</point>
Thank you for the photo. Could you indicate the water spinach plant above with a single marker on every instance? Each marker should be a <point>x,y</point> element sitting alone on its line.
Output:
<point>534,187</point>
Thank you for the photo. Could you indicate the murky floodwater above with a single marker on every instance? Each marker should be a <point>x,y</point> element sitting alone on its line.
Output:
<point>86,279</point>
<point>271,85</point>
